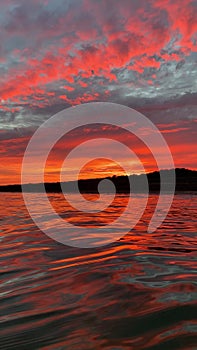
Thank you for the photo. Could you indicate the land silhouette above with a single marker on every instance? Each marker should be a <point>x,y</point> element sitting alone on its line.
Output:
<point>186,180</point>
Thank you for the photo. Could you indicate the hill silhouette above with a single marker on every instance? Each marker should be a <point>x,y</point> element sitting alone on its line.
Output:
<point>186,180</point>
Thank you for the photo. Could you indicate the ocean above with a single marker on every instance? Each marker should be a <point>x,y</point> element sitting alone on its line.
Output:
<point>139,292</point>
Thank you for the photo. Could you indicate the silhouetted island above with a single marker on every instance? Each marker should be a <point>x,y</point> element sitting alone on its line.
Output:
<point>186,180</point>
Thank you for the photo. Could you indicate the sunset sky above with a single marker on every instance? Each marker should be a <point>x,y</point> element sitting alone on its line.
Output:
<point>56,54</point>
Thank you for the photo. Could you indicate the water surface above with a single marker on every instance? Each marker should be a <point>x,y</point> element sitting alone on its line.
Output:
<point>137,293</point>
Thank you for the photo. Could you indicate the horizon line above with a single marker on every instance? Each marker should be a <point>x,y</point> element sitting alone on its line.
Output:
<point>96,178</point>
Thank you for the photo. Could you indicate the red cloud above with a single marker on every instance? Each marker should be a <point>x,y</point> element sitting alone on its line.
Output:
<point>98,38</point>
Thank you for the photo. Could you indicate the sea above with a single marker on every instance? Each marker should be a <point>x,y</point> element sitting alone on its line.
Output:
<point>137,292</point>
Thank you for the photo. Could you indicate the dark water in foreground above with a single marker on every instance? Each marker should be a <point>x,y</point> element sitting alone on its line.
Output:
<point>137,293</point>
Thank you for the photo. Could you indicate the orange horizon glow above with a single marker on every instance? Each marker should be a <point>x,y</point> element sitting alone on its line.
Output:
<point>100,168</point>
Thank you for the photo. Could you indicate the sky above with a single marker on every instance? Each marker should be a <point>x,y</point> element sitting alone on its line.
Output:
<point>58,54</point>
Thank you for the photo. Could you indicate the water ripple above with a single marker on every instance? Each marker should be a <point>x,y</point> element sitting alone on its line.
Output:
<point>138,293</point>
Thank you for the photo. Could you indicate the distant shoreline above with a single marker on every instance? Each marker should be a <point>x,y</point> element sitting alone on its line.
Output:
<point>186,181</point>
